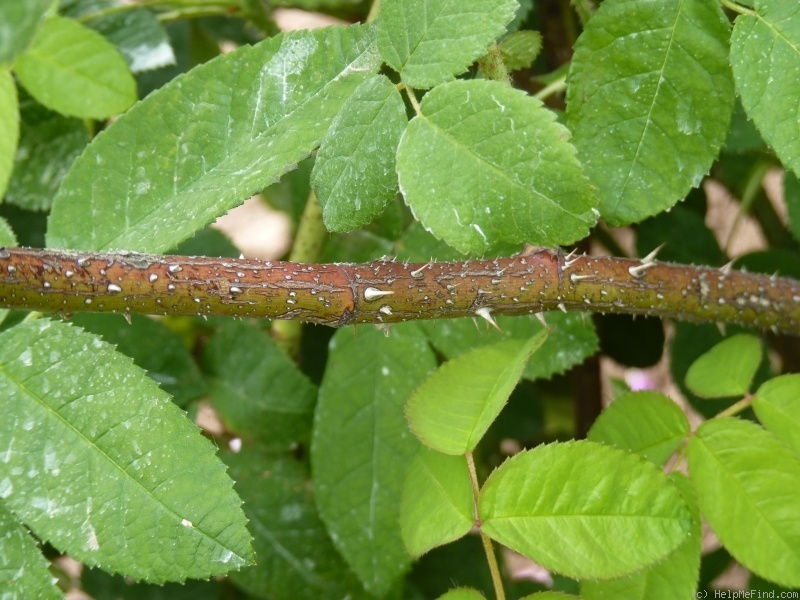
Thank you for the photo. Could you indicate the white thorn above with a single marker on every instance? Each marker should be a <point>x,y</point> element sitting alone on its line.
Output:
<point>652,256</point>
<point>372,293</point>
<point>568,260</point>
<point>721,328</point>
<point>128,318</point>
<point>241,256</point>
<point>235,290</point>
<point>114,288</point>
<point>576,278</point>
<point>638,270</point>
<point>774,329</point>
<point>385,310</point>
<point>385,328</point>
<point>726,268</point>
<point>486,313</point>
<point>540,316</point>
<point>418,273</point>
<point>561,307</point>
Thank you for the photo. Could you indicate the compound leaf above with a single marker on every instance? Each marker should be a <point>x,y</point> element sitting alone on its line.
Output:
<point>361,446</point>
<point>649,100</point>
<point>747,482</point>
<point>647,423</point>
<point>97,461</point>
<point>574,507</point>
<point>765,57</point>
<point>430,42</point>
<point>75,71</point>
<point>206,141</point>
<point>354,175</point>
<point>777,406</point>
<point>484,163</point>
<point>437,504</point>
<point>454,407</point>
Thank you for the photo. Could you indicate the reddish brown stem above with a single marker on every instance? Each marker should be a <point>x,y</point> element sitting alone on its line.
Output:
<point>385,291</point>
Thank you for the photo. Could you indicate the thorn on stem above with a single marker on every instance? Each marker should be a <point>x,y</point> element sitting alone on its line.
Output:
<point>486,313</point>
<point>372,293</point>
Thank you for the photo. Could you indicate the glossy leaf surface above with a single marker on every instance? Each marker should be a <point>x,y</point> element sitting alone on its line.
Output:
<point>649,100</point>
<point>777,406</point>
<point>361,446</point>
<point>430,42</point>
<point>206,141</point>
<point>484,164</point>
<point>354,173</point>
<point>727,369</point>
<point>99,462</point>
<point>9,127</point>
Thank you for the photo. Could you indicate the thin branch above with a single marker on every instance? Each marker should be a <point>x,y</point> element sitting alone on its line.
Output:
<point>386,291</point>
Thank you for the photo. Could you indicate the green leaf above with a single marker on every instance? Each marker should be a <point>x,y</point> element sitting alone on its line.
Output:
<point>649,99</point>
<point>154,348</point>
<point>18,22</point>
<point>674,577</point>
<point>549,596</point>
<point>765,57</point>
<point>647,423</point>
<point>75,71</point>
<point>575,507</point>
<point>257,390</point>
<point>454,407</point>
<point>354,174</point>
<point>9,128</point>
<point>296,559</point>
<point>777,406</point>
<point>747,482</point>
<point>791,194</point>
<point>7,238</point>
<point>100,585</point>
<point>361,446</point>
<point>235,124</point>
<point>727,369</point>
<point>139,36</point>
<point>47,148</point>
<point>429,43</point>
<point>23,570</point>
<point>98,461</point>
<point>462,594</point>
<point>437,504</point>
<point>570,341</point>
<point>520,49</point>
<point>484,163</point>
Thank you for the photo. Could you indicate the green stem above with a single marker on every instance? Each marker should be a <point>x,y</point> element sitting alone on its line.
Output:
<point>111,10</point>
<point>494,568</point>
<point>736,408</point>
<point>195,12</point>
<point>751,190</point>
<point>307,245</point>
<point>412,98</point>
<point>374,10</point>
<point>738,8</point>
<point>556,87</point>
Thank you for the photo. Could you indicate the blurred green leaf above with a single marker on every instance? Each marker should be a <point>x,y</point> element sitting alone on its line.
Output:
<point>430,44</point>
<point>777,406</point>
<point>791,194</point>
<point>742,134</point>
<point>9,127</point>
<point>673,577</point>
<point>354,173</point>
<point>361,446</point>
<point>235,125</point>
<point>765,57</point>
<point>154,348</point>
<point>23,569</point>
<point>484,163</point>
<point>256,388</point>
<point>75,71</point>
<point>296,559</point>
<point>104,586</point>
<point>457,403</point>
<point>437,504</point>
<point>649,99</point>
<point>462,563</point>
<point>647,423</point>
<point>747,482</point>
<point>18,22</point>
<point>616,332</point>
<point>48,146</point>
<point>102,465</point>
<point>550,596</point>
<point>727,369</point>
<point>574,508</point>
<point>520,49</point>
<point>685,236</point>
<point>462,594</point>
